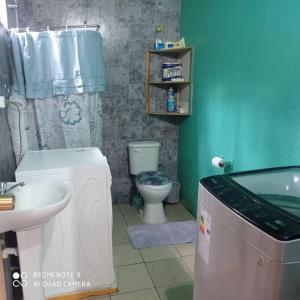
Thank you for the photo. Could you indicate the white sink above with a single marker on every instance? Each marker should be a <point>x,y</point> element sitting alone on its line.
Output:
<point>35,204</point>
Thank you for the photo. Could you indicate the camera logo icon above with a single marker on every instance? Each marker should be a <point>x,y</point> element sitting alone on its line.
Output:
<point>20,279</point>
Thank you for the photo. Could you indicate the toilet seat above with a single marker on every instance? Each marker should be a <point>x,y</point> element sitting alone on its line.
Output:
<point>153,179</point>
<point>155,187</point>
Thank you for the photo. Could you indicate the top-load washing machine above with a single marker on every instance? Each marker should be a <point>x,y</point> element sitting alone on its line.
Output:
<point>248,245</point>
<point>77,251</point>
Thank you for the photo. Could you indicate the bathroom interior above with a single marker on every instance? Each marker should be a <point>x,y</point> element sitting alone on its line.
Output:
<point>112,112</point>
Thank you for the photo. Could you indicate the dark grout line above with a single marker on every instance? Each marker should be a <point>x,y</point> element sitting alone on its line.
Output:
<point>122,214</point>
<point>155,287</point>
<point>133,264</point>
<point>188,268</point>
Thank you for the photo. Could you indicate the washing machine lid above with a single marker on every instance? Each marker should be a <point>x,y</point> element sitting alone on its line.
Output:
<point>267,198</point>
<point>156,178</point>
<point>60,160</point>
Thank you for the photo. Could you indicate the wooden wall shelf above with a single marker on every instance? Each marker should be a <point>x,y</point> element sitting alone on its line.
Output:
<point>171,50</point>
<point>156,89</point>
<point>163,113</point>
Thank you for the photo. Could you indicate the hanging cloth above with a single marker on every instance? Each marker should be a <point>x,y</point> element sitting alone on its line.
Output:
<point>52,63</point>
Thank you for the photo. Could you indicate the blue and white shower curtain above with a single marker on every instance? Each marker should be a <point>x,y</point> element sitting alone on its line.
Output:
<point>57,80</point>
<point>64,122</point>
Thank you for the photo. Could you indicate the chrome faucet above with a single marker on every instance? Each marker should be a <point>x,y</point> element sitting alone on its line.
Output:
<point>4,190</point>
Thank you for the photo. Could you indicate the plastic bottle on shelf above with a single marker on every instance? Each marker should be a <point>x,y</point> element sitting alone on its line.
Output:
<point>171,105</point>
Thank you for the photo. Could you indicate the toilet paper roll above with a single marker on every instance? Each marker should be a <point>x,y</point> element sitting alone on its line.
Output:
<point>218,162</point>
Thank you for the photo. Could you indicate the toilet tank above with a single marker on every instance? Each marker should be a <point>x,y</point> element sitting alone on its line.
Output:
<point>143,156</point>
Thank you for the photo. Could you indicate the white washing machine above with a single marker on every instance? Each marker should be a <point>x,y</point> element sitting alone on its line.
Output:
<point>248,245</point>
<point>77,254</point>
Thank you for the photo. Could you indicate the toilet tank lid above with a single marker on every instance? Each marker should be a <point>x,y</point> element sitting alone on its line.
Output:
<point>144,144</point>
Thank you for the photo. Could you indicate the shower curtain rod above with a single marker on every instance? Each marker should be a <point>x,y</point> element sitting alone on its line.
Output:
<point>97,26</point>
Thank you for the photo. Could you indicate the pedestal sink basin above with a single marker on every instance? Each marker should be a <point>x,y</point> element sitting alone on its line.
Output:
<point>36,203</point>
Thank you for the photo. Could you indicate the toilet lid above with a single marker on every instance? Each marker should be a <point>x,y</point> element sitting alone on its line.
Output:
<point>152,178</point>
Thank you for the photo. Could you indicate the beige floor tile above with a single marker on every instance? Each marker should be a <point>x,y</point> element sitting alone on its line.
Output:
<point>126,255</point>
<point>133,278</point>
<point>116,210</point>
<point>159,253</point>
<point>126,208</point>
<point>176,215</point>
<point>119,236</point>
<point>150,294</point>
<point>134,220</point>
<point>131,215</point>
<point>179,209</point>
<point>118,219</point>
<point>185,249</point>
<point>176,292</point>
<point>177,206</point>
<point>169,271</point>
<point>189,261</point>
<point>119,223</point>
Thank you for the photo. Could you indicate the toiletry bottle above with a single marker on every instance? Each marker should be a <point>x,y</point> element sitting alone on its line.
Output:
<point>158,44</point>
<point>171,107</point>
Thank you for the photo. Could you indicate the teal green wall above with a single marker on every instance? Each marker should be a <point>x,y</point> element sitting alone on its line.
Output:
<point>246,87</point>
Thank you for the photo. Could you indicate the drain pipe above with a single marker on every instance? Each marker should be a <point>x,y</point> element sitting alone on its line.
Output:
<point>6,252</point>
<point>9,251</point>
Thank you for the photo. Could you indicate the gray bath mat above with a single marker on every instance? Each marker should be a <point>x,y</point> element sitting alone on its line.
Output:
<point>154,235</point>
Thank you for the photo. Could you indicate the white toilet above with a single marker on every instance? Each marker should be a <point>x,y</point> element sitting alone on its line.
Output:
<point>153,185</point>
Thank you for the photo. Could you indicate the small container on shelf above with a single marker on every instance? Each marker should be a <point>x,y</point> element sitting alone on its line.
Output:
<point>158,44</point>
<point>180,109</point>
<point>171,104</point>
<point>171,71</point>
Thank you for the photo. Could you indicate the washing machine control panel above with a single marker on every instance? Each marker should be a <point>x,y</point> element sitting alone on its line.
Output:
<point>264,215</point>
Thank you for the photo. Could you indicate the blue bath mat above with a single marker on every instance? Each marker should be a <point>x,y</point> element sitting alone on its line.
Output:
<point>154,235</point>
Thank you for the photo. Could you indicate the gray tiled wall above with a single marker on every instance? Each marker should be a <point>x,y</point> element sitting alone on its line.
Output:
<point>128,29</point>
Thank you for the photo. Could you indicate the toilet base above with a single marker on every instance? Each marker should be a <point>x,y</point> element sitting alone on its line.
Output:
<point>154,213</point>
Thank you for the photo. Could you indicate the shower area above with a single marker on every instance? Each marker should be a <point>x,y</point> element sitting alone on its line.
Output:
<point>53,80</point>
<point>57,78</point>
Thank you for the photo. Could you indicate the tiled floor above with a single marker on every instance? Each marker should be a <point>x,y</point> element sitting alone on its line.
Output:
<point>161,273</point>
